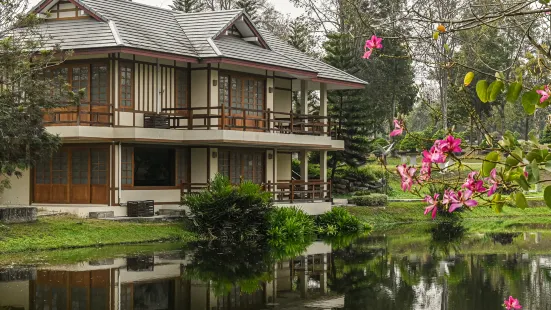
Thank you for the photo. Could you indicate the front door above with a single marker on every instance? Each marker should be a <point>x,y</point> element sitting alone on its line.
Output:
<point>73,175</point>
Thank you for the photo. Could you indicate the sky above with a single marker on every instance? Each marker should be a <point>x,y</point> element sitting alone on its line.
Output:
<point>284,6</point>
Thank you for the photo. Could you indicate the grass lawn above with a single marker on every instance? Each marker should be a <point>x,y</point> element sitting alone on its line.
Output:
<point>482,219</point>
<point>63,232</point>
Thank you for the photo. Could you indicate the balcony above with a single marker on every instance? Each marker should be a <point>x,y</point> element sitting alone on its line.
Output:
<point>288,191</point>
<point>88,114</point>
<point>225,118</point>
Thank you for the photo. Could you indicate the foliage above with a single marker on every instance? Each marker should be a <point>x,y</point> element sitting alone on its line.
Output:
<point>338,221</point>
<point>230,212</point>
<point>289,224</point>
<point>409,143</point>
<point>364,174</point>
<point>25,91</point>
<point>372,200</point>
<point>188,6</point>
<point>364,192</point>
<point>251,7</point>
<point>546,135</point>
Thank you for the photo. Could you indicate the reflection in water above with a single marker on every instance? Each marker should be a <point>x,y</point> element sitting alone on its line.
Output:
<point>444,269</point>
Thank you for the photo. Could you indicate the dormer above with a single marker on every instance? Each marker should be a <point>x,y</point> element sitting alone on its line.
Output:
<point>243,28</point>
<point>64,10</point>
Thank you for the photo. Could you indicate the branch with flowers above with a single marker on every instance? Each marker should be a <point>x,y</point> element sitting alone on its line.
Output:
<point>510,167</point>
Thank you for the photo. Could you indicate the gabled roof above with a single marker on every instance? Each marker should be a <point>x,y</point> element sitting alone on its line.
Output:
<point>200,37</point>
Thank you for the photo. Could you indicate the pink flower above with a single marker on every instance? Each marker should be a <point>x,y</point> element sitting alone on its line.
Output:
<point>433,205</point>
<point>474,185</point>
<point>451,144</point>
<point>398,127</point>
<point>463,199</point>
<point>492,180</point>
<point>544,93</point>
<point>435,155</point>
<point>375,42</point>
<point>424,173</point>
<point>450,197</point>
<point>511,303</point>
<point>406,174</point>
<point>367,54</point>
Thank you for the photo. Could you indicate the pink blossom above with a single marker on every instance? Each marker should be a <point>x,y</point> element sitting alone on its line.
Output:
<point>463,199</point>
<point>424,173</point>
<point>544,93</point>
<point>474,185</point>
<point>367,54</point>
<point>511,303</point>
<point>451,144</point>
<point>492,180</point>
<point>433,205</point>
<point>450,197</point>
<point>398,127</point>
<point>375,42</point>
<point>435,155</point>
<point>406,174</point>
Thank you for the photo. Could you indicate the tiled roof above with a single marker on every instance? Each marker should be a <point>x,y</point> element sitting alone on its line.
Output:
<point>197,35</point>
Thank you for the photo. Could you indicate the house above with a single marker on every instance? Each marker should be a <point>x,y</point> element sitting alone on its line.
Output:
<point>171,100</point>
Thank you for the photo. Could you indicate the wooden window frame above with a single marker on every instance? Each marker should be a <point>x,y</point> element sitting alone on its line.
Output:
<point>176,185</point>
<point>241,153</point>
<point>129,65</point>
<point>186,86</point>
<point>243,77</point>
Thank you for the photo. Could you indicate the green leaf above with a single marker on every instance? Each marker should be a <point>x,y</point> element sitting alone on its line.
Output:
<point>521,201</point>
<point>482,90</point>
<point>468,78</point>
<point>514,92</point>
<point>529,101</point>
<point>521,180</point>
<point>548,166</point>
<point>494,90</point>
<point>533,172</point>
<point>497,203</point>
<point>511,161</point>
<point>435,35</point>
<point>489,163</point>
<point>534,154</point>
<point>547,196</point>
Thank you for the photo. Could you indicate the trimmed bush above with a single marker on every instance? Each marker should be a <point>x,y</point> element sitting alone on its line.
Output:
<point>373,200</point>
<point>364,192</point>
<point>338,221</point>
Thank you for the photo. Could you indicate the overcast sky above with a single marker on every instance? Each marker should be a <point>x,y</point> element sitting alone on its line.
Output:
<point>284,6</point>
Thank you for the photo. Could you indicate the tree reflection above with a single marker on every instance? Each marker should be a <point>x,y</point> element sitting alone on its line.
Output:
<point>446,237</point>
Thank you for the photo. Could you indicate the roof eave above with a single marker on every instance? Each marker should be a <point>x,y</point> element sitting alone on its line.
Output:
<point>349,84</point>
<point>233,61</point>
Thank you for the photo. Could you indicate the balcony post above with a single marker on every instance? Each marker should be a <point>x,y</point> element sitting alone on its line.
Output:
<point>78,114</point>
<point>268,118</point>
<point>323,109</point>
<point>304,104</point>
<point>303,157</point>
<point>323,173</point>
<point>223,117</point>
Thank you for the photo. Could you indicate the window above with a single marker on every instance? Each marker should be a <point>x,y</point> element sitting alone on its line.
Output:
<point>154,166</point>
<point>79,80</point>
<point>242,165</point>
<point>59,167</point>
<point>43,172</point>
<point>126,86</point>
<point>242,93</point>
<point>99,166</point>
<point>98,86</point>
<point>182,166</point>
<point>79,167</point>
<point>126,166</point>
<point>59,77</point>
<point>181,89</point>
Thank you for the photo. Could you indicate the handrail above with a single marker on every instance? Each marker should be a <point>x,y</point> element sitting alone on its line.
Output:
<point>75,114</point>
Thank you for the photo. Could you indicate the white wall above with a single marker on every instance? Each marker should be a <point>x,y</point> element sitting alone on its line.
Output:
<point>284,166</point>
<point>270,166</point>
<point>199,165</point>
<point>19,193</point>
<point>199,88</point>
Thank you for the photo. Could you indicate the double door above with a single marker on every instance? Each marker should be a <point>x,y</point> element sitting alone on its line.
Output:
<point>73,175</point>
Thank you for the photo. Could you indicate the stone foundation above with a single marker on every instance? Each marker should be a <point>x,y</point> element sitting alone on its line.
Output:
<point>10,215</point>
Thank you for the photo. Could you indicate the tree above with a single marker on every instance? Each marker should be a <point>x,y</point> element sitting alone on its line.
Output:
<point>25,92</point>
<point>251,7</point>
<point>346,107</point>
<point>188,6</point>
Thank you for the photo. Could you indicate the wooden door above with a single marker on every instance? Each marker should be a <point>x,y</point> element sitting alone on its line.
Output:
<point>99,190</point>
<point>80,164</point>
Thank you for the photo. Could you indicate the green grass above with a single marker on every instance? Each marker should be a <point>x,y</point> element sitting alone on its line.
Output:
<point>481,219</point>
<point>68,232</point>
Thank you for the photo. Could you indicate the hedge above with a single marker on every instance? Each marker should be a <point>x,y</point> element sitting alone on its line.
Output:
<point>372,200</point>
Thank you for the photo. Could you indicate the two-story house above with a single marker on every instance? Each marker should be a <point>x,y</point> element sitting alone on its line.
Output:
<point>171,100</point>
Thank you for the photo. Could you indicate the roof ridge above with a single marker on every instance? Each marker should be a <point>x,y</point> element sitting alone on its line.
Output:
<point>206,12</point>
<point>184,32</point>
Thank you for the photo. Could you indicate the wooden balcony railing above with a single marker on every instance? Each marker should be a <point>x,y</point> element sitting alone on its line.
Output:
<point>88,114</point>
<point>225,118</point>
<point>282,191</point>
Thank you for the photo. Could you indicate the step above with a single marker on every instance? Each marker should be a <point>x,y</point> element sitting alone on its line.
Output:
<point>171,212</point>
<point>101,214</point>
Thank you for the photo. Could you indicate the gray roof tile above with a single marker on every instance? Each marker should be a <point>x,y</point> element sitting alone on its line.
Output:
<point>77,34</point>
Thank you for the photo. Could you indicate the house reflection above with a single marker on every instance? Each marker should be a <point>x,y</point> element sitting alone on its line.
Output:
<point>156,283</point>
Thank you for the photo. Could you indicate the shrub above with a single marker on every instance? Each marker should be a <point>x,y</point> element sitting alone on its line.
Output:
<point>409,143</point>
<point>546,135</point>
<point>338,221</point>
<point>372,200</point>
<point>230,212</point>
<point>364,192</point>
<point>289,224</point>
<point>363,174</point>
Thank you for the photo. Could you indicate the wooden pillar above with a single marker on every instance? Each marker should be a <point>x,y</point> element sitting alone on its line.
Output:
<point>323,105</point>
<point>304,103</point>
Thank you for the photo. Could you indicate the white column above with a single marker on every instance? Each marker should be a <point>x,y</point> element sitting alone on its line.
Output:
<point>323,169</point>
<point>304,102</point>
<point>303,157</point>
<point>323,277</point>
<point>323,103</point>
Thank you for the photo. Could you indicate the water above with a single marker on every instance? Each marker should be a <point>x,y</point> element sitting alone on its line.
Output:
<point>438,267</point>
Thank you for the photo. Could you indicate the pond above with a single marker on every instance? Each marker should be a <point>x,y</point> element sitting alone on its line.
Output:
<point>435,267</point>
